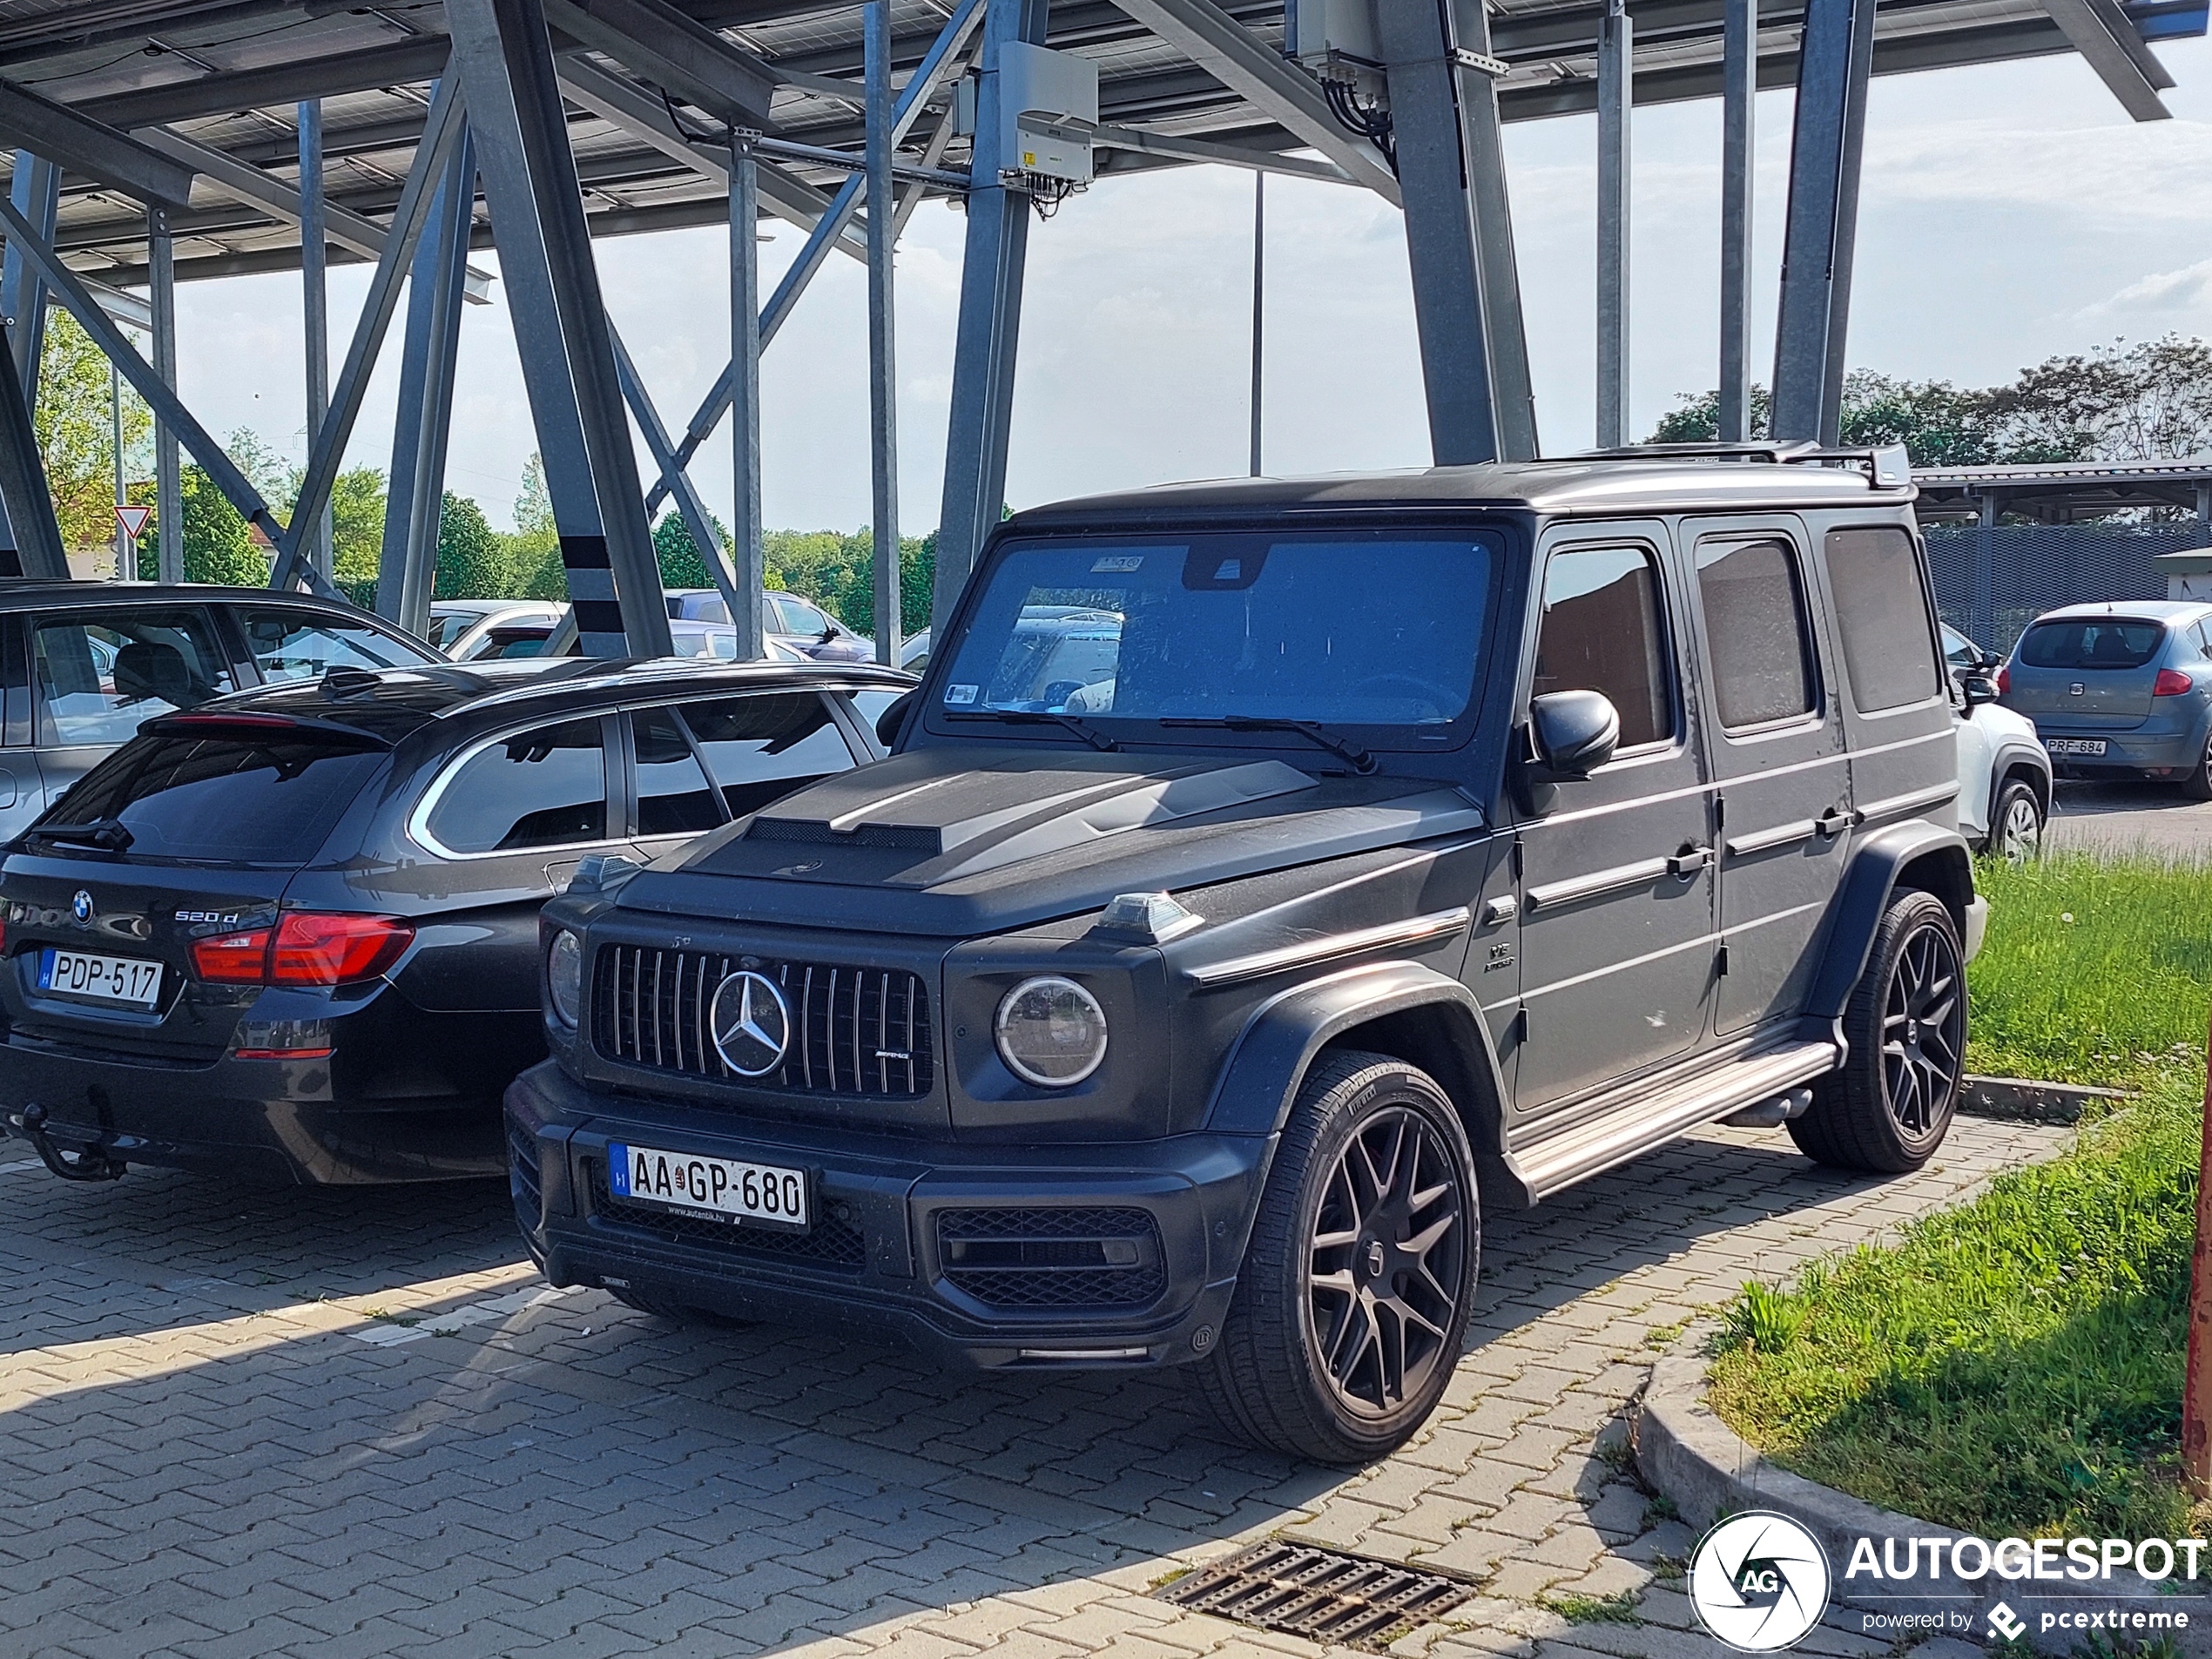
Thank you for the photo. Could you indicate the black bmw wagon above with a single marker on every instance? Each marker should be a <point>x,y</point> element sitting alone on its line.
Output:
<point>292,934</point>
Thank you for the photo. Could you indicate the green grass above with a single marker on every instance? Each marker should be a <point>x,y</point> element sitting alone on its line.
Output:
<point>2011,1368</point>
<point>1577,1609</point>
<point>2094,971</point>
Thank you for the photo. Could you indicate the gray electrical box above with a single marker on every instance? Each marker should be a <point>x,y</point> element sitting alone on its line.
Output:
<point>1048,111</point>
<point>1334,41</point>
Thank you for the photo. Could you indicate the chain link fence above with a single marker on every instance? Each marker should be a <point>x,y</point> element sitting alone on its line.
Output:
<point>1991,584</point>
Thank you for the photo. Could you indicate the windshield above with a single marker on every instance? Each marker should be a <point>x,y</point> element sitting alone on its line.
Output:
<point>1374,631</point>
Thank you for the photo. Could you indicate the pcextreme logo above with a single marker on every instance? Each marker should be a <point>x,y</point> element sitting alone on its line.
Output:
<point>1758,1582</point>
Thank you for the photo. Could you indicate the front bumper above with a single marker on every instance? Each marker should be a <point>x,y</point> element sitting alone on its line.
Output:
<point>1977,926</point>
<point>894,1216</point>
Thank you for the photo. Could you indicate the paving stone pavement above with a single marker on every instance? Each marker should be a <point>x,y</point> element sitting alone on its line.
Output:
<point>238,1422</point>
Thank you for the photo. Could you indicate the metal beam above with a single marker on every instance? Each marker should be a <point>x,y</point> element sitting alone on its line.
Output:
<point>37,192</point>
<point>692,61</point>
<point>1171,148</point>
<point>1615,79</point>
<point>883,375</point>
<point>690,506</point>
<point>192,96</point>
<point>89,147</point>
<point>442,129</point>
<point>168,476</point>
<point>2103,39</point>
<point>1241,62</point>
<point>315,307</point>
<point>989,324</point>
<point>38,550</point>
<point>749,573</point>
<point>1739,132</point>
<point>502,50</point>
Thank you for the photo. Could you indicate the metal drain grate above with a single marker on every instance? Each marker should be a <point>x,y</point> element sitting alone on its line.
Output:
<point>1316,1593</point>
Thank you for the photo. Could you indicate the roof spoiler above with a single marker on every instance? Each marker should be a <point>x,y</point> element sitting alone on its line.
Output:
<point>269,727</point>
<point>1886,466</point>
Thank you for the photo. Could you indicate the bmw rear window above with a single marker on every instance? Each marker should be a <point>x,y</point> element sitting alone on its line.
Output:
<point>2092,643</point>
<point>220,801</point>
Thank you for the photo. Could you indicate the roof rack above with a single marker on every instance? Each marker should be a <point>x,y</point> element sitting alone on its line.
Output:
<point>1886,466</point>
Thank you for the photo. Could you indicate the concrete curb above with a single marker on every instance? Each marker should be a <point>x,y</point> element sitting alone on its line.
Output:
<point>1683,1450</point>
<point>2019,1100</point>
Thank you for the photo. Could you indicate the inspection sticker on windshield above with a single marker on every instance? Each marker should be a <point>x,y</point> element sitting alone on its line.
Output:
<point>961,693</point>
<point>1117,564</point>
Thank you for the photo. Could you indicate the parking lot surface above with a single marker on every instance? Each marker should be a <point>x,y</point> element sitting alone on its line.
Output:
<point>239,1422</point>
<point>2126,818</point>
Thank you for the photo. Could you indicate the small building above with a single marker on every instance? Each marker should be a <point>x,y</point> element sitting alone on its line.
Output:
<point>2189,573</point>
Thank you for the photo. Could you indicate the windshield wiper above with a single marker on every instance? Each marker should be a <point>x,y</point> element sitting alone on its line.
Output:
<point>106,834</point>
<point>1360,761</point>
<point>1089,734</point>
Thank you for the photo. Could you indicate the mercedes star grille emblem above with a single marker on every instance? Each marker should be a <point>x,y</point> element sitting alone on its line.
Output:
<point>752,1023</point>
<point>81,906</point>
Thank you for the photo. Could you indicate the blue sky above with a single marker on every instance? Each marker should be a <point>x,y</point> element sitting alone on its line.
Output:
<point>2009,213</point>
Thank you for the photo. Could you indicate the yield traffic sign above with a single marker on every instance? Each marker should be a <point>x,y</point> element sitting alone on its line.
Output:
<point>134,520</point>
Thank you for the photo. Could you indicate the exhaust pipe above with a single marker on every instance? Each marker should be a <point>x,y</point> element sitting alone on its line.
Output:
<point>1772,1113</point>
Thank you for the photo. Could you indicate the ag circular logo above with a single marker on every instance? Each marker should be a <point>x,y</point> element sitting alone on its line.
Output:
<point>752,1023</point>
<point>1760,1581</point>
<point>81,906</point>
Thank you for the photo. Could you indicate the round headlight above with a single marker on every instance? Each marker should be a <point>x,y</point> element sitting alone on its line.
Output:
<point>1051,1032</point>
<point>564,976</point>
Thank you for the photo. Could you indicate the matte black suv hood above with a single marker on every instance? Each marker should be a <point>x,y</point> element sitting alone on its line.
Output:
<point>959,842</point>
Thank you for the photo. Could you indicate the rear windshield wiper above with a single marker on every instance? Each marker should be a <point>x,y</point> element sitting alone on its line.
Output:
<point>1360,761</point>
<point>1088,733</point>
<point>106,834</point>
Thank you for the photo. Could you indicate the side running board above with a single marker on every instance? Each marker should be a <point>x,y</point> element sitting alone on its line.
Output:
<point>1639,1122</point>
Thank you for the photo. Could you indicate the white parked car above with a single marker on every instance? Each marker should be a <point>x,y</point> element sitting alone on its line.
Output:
<point>460,628</point>
<point>2004,774</point>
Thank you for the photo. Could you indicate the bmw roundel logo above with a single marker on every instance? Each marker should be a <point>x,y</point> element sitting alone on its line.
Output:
<point>81,907</point>
<point>751,1023</point>
<point>1760,1581</point>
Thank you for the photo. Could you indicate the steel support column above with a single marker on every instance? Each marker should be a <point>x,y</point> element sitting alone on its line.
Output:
<point>38,550</point>
<point>748,564</point>
<point>1739,88</point>
<point>36,191</point>
<point>1984,623</point>
<point>883,376</point>
<point>1459,233</point>
<point>989,325</point>
<point>314,299</point>
<point>1259,317</point>
<point>414,500</point>
<point>1830,121</point>
<point>1616,98</point>
<point>168,475</point>
<point>504,57</point>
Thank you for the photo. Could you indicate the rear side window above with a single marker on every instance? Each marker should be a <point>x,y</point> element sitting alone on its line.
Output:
<point>2092,642</point>
<point>1604,629</point>
<point>224,799</point>
<point>100,675</point>
<point>762,747</point>
<point>542,788</point>
<point>673,795</point>
<point>1755,621</point>
<point>293,644</point>
<point>1882,614</point>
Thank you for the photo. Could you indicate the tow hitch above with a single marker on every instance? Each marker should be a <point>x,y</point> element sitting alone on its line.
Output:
<point>90,1164</point>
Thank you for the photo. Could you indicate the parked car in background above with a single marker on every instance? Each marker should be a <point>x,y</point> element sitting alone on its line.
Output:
<point>292,934</point>
<point>507,640</point>
<point>801,623</point>
<point>457,627</point>
<point>82,664</point>
<point>2119,690</point>
<point>2004,774</point>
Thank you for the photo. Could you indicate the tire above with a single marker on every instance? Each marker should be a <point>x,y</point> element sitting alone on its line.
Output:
<point>677,1313</point>
<point>1339,1374</point>
<point>2197,785</point>
<point>2016,823</point>
<point>1888,1107</point>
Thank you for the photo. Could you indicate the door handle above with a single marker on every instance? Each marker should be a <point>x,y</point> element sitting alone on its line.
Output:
<point>1835,822</point>
<point>1689,862</point>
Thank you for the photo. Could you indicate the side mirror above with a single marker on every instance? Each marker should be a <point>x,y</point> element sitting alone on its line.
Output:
<point>1979,689</point>
<point>829,633</point>
<point>893,720</point>
<point>1574,732</point>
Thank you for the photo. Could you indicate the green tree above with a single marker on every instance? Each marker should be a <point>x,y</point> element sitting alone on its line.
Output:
<point>217,547</point>
<point>470,562</point>
<point>533,552</point>
<point>75,425</point>
<point>680,563</point>
<point>357,523</point>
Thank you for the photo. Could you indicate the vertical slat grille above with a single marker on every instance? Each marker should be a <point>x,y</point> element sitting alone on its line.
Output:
<point>855,1030</point>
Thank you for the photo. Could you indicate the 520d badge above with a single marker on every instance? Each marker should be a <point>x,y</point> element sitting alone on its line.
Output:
<point>1760,1581</point>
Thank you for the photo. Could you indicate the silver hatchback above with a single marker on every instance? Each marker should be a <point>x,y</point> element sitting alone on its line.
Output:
<point>2119,690</point>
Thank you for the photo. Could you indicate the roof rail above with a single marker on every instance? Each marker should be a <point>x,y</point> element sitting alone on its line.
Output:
<point>1886,466</point>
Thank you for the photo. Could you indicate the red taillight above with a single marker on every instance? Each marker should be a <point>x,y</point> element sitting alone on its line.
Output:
<point>233,959</point>
<point>307,948</point>
<point>312,949</point>
<point>2171,682</point>
<point>2004,678</point>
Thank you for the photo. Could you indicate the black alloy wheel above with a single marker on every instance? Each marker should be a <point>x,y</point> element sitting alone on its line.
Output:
<point>1923,1031</point>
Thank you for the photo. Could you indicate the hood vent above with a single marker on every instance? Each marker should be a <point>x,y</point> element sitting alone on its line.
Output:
<point>903,838</point>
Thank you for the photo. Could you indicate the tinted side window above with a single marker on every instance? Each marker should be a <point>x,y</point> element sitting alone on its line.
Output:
<point>99,675</point>
<point>1889,647</point>
<point>1755,620</point>
<point>1605,629</point>
<point>292,645</point>
<point>762,747</point>
<point>542,788</point>
<point>673,795</point>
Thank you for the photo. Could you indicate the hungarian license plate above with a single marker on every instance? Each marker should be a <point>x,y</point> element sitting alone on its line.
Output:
<point>125,981</point>
<point>761,1192</point>
<point>2074,745</point>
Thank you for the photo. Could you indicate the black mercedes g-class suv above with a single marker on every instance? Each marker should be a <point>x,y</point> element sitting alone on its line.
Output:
<point>1266,874</point>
